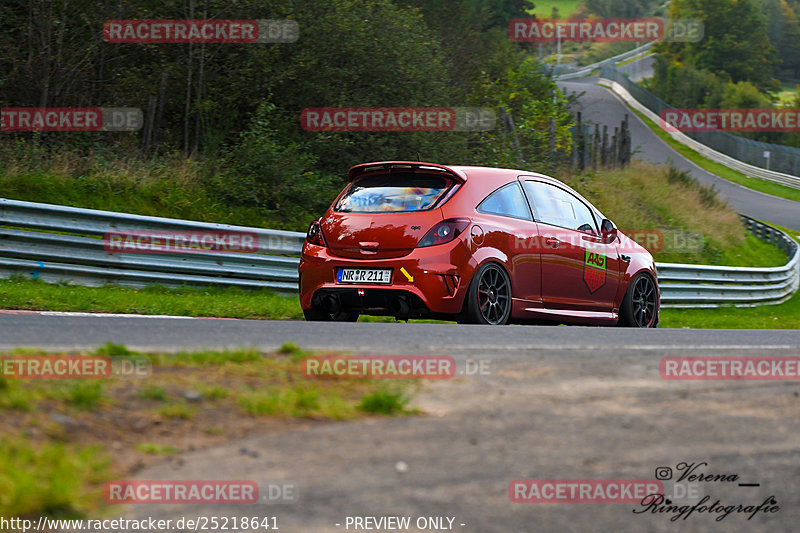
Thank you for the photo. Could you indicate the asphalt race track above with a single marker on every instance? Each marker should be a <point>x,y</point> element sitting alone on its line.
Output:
<point>601,106</point>
<point>54,330</point>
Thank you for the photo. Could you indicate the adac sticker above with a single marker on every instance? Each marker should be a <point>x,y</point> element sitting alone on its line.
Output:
<point>594,270</point>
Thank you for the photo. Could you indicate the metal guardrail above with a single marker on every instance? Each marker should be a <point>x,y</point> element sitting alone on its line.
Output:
<point>733,151</point>
<point>710,286</point>
<point>82,259</point>
<point>588,69</point>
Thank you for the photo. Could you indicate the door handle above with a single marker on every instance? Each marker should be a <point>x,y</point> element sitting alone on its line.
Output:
<point>625,258</point>
<point>552,242</point>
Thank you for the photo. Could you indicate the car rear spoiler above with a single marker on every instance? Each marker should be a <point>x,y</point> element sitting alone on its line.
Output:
<point>404,166</point>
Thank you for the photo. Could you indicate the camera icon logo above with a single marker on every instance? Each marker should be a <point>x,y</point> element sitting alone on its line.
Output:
<point>663,473</point>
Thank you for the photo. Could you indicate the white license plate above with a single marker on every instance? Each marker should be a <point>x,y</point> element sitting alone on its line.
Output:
<point>364,275</point>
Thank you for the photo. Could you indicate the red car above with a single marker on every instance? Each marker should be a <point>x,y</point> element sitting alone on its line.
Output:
<point>472,244</point>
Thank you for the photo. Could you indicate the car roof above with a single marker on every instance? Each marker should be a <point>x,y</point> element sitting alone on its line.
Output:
<point>487,179</point>
<point>492,173</point>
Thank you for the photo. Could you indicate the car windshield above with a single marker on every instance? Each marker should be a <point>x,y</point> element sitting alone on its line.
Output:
<point>397,192</point>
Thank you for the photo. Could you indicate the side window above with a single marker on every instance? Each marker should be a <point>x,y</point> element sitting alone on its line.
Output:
<point>507,201</point>
<point>558,207</point>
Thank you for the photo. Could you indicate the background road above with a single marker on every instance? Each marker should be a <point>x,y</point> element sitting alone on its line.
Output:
<point>601,106</point>
<point>555,403</point>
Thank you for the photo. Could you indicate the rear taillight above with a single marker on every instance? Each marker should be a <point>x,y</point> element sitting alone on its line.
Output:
<point>444,231</point>
<point>314,235</point>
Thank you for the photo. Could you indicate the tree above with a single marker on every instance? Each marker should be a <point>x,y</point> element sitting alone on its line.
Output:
<point>620,8</point>
<point>788,44</point>
<point>735,40</point>
<point>685,86</point>
<point>793,138</point>
<point>743,95</point>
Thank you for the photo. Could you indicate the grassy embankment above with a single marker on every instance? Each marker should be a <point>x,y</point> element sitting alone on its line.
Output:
<point>782,316</point>
<point>62,439</point>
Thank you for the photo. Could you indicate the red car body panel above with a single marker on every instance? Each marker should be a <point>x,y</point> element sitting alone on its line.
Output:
<point>553,276</point>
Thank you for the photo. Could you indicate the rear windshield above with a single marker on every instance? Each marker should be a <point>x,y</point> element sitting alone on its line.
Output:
<point>396,192</point>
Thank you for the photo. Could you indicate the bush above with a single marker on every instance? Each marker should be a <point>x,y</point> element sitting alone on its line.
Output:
<point>686,87</point>
<point>275,176</point>
<point>743,95</point>
<point>384,402</point>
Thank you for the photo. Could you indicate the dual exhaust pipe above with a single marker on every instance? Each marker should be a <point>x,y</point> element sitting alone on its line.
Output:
<point>398,305</point>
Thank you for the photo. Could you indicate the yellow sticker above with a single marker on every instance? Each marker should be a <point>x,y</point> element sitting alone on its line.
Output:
<point>407,275</point>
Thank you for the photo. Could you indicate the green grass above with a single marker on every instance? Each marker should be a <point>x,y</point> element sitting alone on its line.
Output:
<point>306,401</point>
<point>156,449</point>
<point>545,9</point>
<point>205,358</point>
<point>50,478</point>
<point>297,402</point>
<point>14,398</point>
<point>672,203</point>
<point>154,393</point>
<point>111,349</point>
<point>214,392</point>
<point>179,411</point>
<point>781,316</point>
<point>171,186</point>
<point>384,402</point>
<point>294,352</point>
<point>84,394</point>
<point>632,59</point>
<point>259,384</point>
<point>219,302</point>
<point>788,94</point>
<point>59,472</point>
<point>720,170</point>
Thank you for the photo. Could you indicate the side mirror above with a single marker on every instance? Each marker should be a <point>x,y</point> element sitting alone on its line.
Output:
<point>608,231</point>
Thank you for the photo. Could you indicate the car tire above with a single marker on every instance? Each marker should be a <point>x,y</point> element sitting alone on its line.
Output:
<point>639,307</point>
<point>489,296</point>
<point>318,315</point>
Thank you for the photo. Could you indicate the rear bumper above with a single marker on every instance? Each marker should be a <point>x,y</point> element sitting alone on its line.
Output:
<point>440,275</point>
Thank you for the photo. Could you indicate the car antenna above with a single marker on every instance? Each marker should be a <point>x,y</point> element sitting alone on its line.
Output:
<point>418,159</point>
